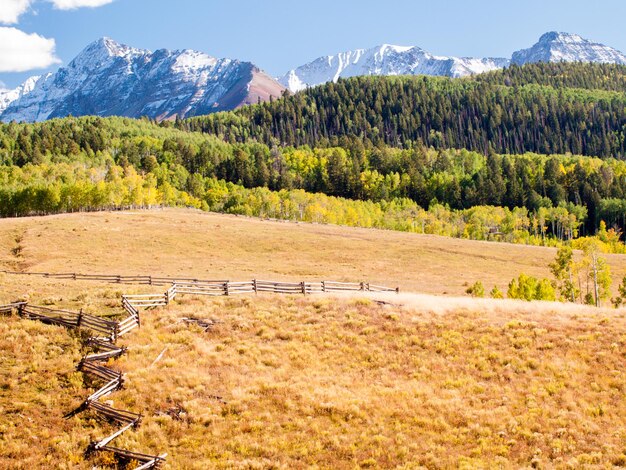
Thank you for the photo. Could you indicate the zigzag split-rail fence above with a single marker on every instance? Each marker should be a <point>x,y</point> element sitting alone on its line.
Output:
<point>106,332</point>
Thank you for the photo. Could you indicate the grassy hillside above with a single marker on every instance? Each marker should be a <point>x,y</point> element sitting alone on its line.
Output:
<point>294,382</point>
<point>186,242</point>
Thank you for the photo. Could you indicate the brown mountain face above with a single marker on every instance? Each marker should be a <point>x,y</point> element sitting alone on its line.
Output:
<point>262,86</point>
<point>252,86</point>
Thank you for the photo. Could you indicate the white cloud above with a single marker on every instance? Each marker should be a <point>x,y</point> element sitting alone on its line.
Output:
<point>20,51</point>
<point>10,10</point>
<point>74,4</point>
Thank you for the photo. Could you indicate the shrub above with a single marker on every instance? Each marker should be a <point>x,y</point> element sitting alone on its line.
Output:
<point>496,293</point>
<point>619,299</point>
<point>530,288</point>
<point>476,290</point>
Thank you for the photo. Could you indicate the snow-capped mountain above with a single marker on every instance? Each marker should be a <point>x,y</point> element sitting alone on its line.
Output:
<point>9,96</point>
<point>402,60</point>
<point>565,47</point>
<point>385,60</point>
<point>108,78</point>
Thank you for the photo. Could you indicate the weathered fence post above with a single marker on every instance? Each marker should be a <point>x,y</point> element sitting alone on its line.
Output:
<point>303,286</point>
<point>80,318</point>
<point>226,288</point>
<point>362,285</point>
<point>254,286</point>
<point>323,286</point>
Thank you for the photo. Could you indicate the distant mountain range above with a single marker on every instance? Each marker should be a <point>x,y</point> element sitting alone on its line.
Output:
<point>399,60</point>
<point>108,78</point>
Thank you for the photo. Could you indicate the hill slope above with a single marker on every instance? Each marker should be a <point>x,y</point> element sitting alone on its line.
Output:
<point>316,381</point>
<point>192,243</point>
<point>482,114</point>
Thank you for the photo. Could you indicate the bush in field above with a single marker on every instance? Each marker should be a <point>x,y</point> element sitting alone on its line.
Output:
<point>530,288</point>
<point>621,297</point>
<point>496,293</point>
<point>476,290</point>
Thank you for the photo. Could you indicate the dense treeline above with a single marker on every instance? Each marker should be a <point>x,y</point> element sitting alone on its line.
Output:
<point>521,109</point>
<point>64,187</point>
<point>71,187</point>
<point>609,77</point>
<point>589,189</point>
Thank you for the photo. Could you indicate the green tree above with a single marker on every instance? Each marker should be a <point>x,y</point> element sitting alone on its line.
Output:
<point>562,269</point>
<point>597,271</point>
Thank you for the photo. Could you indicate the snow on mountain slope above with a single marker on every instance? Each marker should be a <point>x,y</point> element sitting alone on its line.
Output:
<point>9,96</point>
<point>385,60</point>
<point>108,78</point>
<point>565,47</point>
<point>397,60</point>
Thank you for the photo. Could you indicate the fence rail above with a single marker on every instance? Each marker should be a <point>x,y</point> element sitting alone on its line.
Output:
<point>212,287</point>
<point>121,416</point>
<point>149,461</point>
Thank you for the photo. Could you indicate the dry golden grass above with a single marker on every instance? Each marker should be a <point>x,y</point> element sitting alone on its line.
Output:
<point>315,382</point>
<point>345,383</point>
<point>291,382</point>
<point>185,242</point>
<point>38,383</point>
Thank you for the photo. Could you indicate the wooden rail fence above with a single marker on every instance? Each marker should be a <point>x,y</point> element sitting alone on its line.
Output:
<point>95,366</point>
<point>212,287</point>
<point>107,332</point>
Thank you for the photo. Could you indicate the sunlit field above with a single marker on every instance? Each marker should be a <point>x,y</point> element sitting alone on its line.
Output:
<point>354,381</point>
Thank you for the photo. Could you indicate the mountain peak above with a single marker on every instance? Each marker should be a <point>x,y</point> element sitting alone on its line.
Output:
<point>111,46</point>
<point>391,47</point>
<point>552,36</point>
<point>556,46</point>
<point>8,96</point>
<point>102,51</point>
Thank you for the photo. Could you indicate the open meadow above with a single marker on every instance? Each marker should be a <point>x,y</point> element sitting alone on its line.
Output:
<point>322,381</point>
<point>174,242</point>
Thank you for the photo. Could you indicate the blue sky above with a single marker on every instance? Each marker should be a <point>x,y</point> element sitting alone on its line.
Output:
<point>278,34</point>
